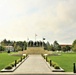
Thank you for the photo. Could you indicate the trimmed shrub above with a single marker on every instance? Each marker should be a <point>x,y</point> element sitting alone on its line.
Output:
<point>26,55</point>
<point>8,51</point>
<point>19,60</point>
<point>23,57</point>
<point>13,64</point>
<point>50,62</point>
<point>56,67</point>
<point>53,64</point>
<point>43,56</point>
<point>8,67</point>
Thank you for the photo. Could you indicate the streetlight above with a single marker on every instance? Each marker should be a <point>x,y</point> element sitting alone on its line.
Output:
<point>43,42</point>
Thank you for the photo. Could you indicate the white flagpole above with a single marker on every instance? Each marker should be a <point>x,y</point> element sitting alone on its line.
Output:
<point>27,42</point>
<point>35,37</point>
<point>43,42</point>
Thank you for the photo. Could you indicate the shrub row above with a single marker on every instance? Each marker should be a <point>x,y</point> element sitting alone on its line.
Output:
<point>55,65</point>
<point>43,56</point>
<point>10,66</point>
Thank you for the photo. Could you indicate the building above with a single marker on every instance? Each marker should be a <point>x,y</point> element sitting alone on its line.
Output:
<point>64,45</point>
<point>7,48</point>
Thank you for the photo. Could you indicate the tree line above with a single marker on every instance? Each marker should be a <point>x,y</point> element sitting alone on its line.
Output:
<point>22,45</point>
<point>57,47</point>
<point>36,44</point>
<point>18,45</point>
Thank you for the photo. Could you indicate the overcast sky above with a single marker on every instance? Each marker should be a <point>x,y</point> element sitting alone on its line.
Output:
<point>52,19</point>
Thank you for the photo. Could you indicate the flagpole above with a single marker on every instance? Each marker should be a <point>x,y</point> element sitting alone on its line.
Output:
<point>43,42</point>
<point>27,42</point>
<point>35,37</point>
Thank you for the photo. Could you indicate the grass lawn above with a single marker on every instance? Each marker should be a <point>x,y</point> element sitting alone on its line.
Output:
<point>65,61</point>
<point>6,59</point>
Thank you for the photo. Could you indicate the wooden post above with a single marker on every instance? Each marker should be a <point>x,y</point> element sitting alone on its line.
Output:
<point>15,63</point>
<point>74,70</point>
<point>46,58</point>
<point>50,62</point>
<point>21,58</point>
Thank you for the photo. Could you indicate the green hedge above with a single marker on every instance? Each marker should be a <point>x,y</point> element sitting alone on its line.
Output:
<point>13,63</point>
<point>8,67</point>
<point>56,67</point>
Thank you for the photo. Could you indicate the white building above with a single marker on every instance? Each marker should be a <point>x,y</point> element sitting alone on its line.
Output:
<point>11,48</point>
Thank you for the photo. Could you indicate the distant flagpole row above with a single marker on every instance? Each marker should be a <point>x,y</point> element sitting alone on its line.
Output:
<point>36,40</point>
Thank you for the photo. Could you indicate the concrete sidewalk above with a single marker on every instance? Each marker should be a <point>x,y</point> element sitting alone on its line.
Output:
<point>34,64</point>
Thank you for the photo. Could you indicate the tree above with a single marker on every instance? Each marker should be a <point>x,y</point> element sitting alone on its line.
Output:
<point>4,42</point>
<point>59,48</point>
<point>40,43</point>
<point>2,48</point>
<point>25,45</point>
<point>68,48</point>
<point>52,48</point>
<point>74,46</point>
<point>56,46</point>
<point>18,48</point>
<point>30,43</point>
<point>64,49</point>
<point>7,43</point>
<point>48,46</point>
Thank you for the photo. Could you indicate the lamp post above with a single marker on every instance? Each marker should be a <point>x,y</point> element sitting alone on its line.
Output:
<point>43,42</point>
<point>35,37</point>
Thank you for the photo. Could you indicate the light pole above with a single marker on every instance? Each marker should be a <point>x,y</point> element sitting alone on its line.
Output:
<point>43,42</point>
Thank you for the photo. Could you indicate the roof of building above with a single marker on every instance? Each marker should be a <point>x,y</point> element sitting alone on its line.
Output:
<point>65,45</point>
<point>8,46</point>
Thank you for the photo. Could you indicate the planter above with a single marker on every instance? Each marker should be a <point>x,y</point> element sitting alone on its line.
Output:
<point>57,70</point>
<point>13,68</point>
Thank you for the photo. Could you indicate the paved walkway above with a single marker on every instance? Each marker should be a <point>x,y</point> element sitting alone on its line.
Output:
<point>33,64</point>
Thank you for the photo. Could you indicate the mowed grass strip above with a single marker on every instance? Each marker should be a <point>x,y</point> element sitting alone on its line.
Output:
<point>6,59</point>
<point>65,61</point>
